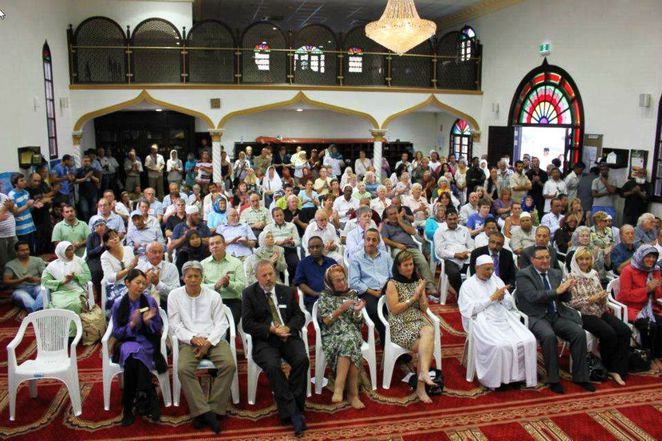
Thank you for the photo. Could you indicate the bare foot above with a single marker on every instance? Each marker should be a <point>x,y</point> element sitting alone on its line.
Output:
<point>422,395</point>
<point>356,403</point>
<point>617,378</point>
<point>425,378</point>
<point>337,397</point>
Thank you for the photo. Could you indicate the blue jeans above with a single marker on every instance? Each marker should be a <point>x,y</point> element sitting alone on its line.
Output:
<point>87,206</point>
<point>30,298</point>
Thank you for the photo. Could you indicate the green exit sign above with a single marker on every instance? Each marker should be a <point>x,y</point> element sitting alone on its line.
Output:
<point>545,48</point>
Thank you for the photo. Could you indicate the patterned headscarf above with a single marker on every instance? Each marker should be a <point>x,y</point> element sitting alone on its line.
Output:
<point>328,285</point>
<point>638,259</point>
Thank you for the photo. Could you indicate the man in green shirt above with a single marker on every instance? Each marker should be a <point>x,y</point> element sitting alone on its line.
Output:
<point>23,275</point>
<point>71,229</point>
<point>224,274</point>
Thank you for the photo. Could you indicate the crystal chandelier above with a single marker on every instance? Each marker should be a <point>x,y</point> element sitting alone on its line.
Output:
<point>400,28</point>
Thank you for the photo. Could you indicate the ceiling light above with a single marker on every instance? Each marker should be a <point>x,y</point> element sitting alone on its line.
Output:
<point>274,28</point>
<point>400,28</point>
<point>159,110</point>
<point>299,109</point>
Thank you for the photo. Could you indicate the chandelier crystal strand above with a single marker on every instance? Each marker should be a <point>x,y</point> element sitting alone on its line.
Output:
<point>400,28</point>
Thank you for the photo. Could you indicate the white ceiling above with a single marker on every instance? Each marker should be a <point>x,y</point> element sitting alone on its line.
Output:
<point>339,15</point>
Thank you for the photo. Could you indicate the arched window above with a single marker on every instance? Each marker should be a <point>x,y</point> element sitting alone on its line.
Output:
<point>261,55</point>
<point>50,101</point>
<point>355,60</point>
<point>263,60</point>
<point>309,57</point>
<point>460,140</point>
<point>547,98</point>
<point>466,45</point>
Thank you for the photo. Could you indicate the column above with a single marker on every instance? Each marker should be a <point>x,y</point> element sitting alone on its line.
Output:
<point>77,136</point>
<point>216,135</point>
<point>378,136</point>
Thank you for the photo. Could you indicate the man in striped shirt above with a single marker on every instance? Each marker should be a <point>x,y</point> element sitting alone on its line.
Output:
<point>22,211</point>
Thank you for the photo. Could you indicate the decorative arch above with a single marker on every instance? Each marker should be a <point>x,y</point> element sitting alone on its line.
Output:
<point>211,66</point>
<point>264,37</point>
<point>297,99</point>
<point>434,101</point>
<point>548,96</point>
<point>144,96</point>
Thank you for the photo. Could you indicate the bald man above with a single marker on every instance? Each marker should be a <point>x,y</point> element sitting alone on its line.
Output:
<point>162,276</point>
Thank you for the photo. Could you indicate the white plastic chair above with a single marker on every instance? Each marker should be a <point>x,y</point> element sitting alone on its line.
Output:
<point>206,364</point>
<point>392,351</point>
<point>90,295</point>
<point>111,369</point>
<point>368,350</point>
<point>434,260</point>
<point>51,329</point>
<point>443,280</point>
<point>254,370</point>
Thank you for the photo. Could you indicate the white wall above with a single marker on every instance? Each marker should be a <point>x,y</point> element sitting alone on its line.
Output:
<point>611,48</point>
<point>132,12</point>
<point>28,24</point>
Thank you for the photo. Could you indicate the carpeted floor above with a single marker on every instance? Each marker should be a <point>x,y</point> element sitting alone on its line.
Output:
<point>465,411</point>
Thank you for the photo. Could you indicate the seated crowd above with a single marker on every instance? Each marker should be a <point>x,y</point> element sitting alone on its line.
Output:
<point>528,254</point>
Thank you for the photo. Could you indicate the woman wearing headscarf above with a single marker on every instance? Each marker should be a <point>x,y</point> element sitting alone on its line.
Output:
<point>346,175</point>
<point>137,326</point>
<point>174,167</point>
<point>433,222</point>
<point>266,250</point>
<point>371,183</point>
<point>189,169</point>
<point>193,249</point>
<point>590,299</point>
<point>271,183</point>
<point>300,162</point>
<point>410,326</point>
<point>581,237</point>
<point>340,319</point>
<point>240,168</point>
<point>641,287</point>
<point>334,159</point>
<point>217,215</point>
<point>66,278</point>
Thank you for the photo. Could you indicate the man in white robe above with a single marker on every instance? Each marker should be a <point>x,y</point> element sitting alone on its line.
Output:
<point>502,348</point>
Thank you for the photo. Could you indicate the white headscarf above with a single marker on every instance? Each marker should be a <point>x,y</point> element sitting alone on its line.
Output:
<point>577,272</point>
<point>61,267</point>
<point>272,184</point>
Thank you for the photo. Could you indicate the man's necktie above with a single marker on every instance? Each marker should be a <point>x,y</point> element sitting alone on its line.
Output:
<point>551,305</point>
<point>274,312</point>
<point>495,259</point>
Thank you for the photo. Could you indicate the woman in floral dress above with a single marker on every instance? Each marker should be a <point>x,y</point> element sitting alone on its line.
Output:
<point>340,319</point>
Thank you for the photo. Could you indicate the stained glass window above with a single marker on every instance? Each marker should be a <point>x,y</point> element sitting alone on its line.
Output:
<point>466,45</point>
<point>309,57</point>
<point>261,53</point>
<point>355,59</point>
<point>50,101</point>
<point>460,140</point>
<point>548,96</point>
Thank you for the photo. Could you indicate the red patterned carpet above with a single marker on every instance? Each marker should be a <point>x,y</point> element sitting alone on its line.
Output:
<point>465,411</point>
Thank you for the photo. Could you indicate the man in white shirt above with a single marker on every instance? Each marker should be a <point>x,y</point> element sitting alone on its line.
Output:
<point>572,180</point>
<point>454,245</point>
<point>552,219</point>
<point>116,206</point>
<point>418,205</point>
<point>322,227</point>
<point>154,163</point>
<point>198,322</point>
<point>469,208</point>
<point>113,221</point>
<point>524,235</point>
<point>553,188</point>
<point>162,276</point>
<point>519,182</point>
<point>490,226</point>
<point>345,204</point>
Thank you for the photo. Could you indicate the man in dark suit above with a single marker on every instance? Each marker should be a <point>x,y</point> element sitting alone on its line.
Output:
<point>271,315</point>
<point>504,265</point>
<point>542,240</point>
<point>540,294</point>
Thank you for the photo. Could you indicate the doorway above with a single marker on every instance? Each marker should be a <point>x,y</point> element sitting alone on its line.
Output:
<point>543,142</point>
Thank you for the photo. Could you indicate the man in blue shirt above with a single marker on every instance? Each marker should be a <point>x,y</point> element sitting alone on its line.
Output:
<point>309,277</point>
<point>369,270</point>
<point>22,209</point>
<point>64,174</point>
<point>623,252</point>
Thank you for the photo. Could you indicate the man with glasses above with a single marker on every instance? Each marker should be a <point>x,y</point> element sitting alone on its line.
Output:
<point>502,259</point>
<point>542,296</point>
<point>255,216</point>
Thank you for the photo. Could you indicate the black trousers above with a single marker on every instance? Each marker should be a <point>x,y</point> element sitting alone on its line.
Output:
<point>454,273</point>
<point>136,378</point>
<point>371,308</point>
<point>614,336</point>
<point>290,393</point>
<point>292,260</point>
<point>546,330</point>
<point>235,307</point>
<point>652,338</point>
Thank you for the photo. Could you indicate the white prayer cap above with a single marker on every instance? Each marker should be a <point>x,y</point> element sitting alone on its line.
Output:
<point>525,214</point>
<point>483,260</point>
<point>192,209</point>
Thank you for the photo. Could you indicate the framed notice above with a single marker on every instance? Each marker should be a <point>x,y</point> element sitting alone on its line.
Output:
<point>638,158</point>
